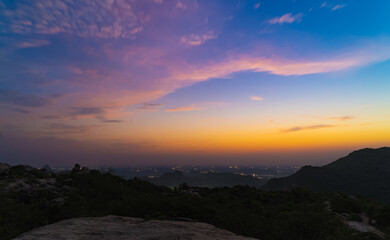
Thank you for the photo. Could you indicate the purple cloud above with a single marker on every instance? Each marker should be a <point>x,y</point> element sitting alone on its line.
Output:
<point>88,18</point>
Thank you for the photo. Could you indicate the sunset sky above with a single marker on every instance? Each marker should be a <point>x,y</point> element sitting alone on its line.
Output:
<point>155,82</point>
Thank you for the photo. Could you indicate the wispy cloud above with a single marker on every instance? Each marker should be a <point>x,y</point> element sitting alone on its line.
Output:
<point>332,6</point>
<point>117,73</point>
<point>150,106</point>
<point>302,128</point>
<point>111,120</point>
<point>257,5</point>
<point>183,109</point>
<point>279,66</point>
<point>164,74</point>
<point>195,107</point>
<point>176,73</point>
<point>32,43</point>
<point>342,118</point>
<point>83,111</point>
<point>256,98</point>
<point>338,6</point>
<point>286,18</point>
<point>335,118</point>
<point>195,40</point>
<point>99,113</point>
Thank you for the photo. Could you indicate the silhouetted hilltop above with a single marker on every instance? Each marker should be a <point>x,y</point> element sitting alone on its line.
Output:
<point>170,179</point>
<point>31,198</point>
<point>176,178</point>
<point>365,172</point>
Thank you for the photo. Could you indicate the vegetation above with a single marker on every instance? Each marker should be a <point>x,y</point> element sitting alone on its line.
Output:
<point>296,214</point>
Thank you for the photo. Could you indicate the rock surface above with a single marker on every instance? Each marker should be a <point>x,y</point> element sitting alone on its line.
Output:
<point>115,227</point>
<point>361,227</point>
<point>364,226</point>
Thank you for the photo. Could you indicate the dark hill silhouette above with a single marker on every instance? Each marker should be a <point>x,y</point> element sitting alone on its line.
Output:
<point>365,172</point>
<point>176,178</point>
<point>31,198</point>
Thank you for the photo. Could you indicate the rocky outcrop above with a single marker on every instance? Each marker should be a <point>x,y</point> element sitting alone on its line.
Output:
<point>362,227</point>
<point>25,184</point>
<point>115,227</point>
<point>4,168</point>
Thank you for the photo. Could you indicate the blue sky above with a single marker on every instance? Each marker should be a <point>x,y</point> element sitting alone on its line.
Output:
<point>187,82</point>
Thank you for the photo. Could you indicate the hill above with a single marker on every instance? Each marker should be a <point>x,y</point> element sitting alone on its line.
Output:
<point>365,172</point>
<point>176,178</point>
<point>31,198</point>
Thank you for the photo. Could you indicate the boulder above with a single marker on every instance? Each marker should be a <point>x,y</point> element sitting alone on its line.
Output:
<point>4,168</point>
<point>118,228</point>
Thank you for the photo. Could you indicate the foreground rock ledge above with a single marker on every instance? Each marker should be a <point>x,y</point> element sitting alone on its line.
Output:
<point>115,227</point>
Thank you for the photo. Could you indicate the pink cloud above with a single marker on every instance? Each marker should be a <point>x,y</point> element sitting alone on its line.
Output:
<point>147,74</point>
<point>181,5</point>
<point>195,107</point>
<point>195,40</point>
<point>115,89</point>
<point>183,109</point>
<point>360,56</point>
<point>256,98</point>
<point>247,63</point>
<point>286,18</point>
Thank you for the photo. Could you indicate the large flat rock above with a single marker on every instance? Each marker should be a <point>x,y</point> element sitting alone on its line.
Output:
<point>115,227</point>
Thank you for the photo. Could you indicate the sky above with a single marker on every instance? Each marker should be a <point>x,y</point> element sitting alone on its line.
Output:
<point>190,82</point>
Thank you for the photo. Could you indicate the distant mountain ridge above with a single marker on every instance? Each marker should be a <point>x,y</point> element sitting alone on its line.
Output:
<point>365,172</point>
<point>176,178</point>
